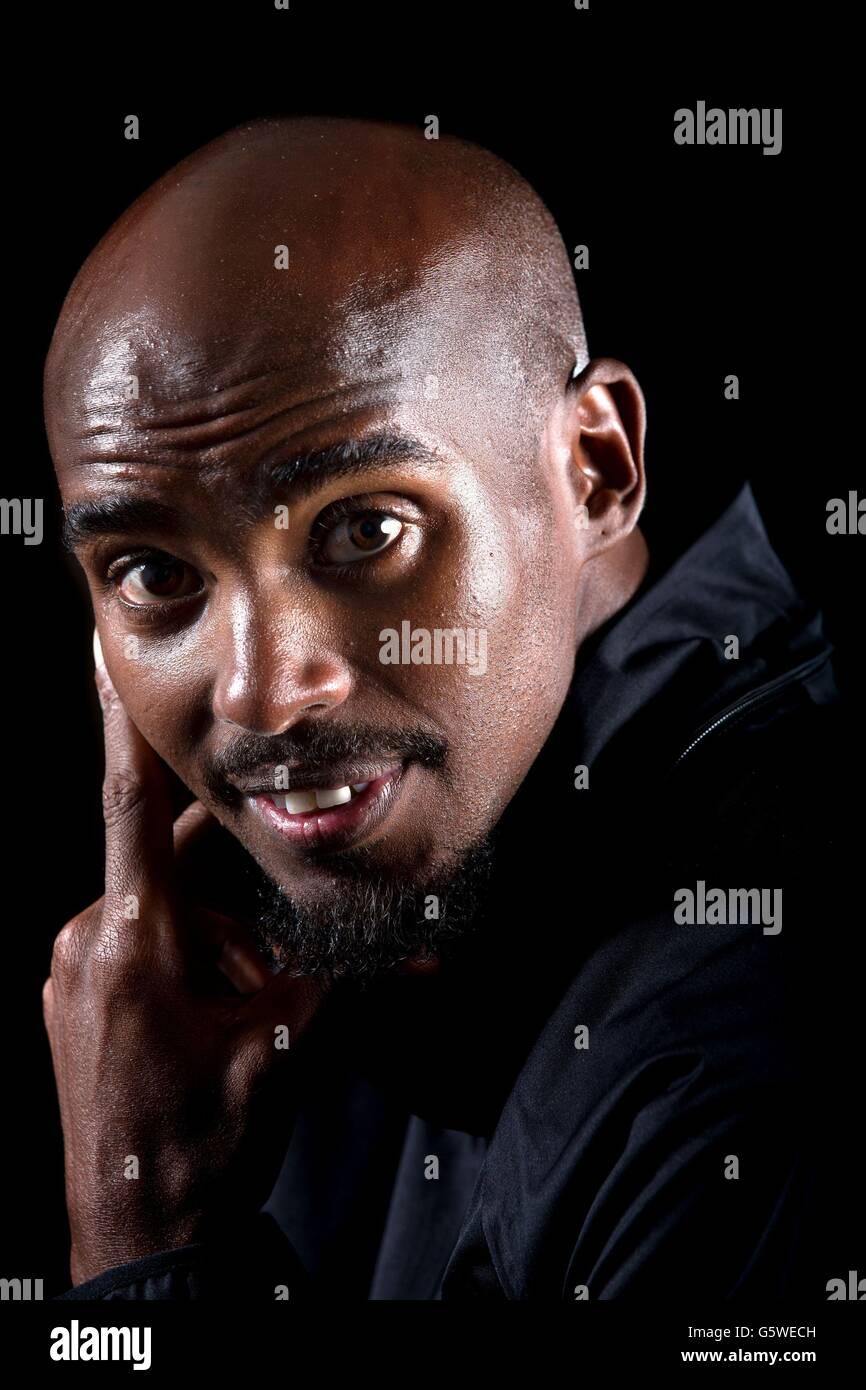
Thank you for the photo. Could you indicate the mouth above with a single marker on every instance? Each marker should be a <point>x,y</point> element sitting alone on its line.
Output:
<point>333,814</point>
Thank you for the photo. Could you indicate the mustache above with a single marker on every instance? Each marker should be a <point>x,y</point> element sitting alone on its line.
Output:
<point>320,745</point>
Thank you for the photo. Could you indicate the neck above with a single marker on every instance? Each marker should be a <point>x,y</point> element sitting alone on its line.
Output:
<point>610,580</point>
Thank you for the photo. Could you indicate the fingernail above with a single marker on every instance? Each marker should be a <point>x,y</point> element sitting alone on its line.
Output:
<point>98,658</point>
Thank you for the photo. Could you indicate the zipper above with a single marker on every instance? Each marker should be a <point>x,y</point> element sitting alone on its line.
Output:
<point>756,697</point>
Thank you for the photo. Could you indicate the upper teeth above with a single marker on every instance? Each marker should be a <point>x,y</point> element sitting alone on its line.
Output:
<point>316,798</point>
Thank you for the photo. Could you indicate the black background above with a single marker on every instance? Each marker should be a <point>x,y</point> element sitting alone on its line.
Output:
<point>703,262</point>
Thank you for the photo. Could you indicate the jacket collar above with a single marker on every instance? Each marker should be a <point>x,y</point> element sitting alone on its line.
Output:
<point>451,1047</point>
<point>669,643</point>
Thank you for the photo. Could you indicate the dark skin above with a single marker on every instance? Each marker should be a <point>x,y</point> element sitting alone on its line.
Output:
<point>525,530</point>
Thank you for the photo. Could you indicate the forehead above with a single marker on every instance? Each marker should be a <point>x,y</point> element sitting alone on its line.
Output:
<point>166,384</point>
<point>231,304</point>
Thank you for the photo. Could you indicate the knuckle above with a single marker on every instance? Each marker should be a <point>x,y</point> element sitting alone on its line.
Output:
<point>116,949</point>
<point>117,980</point>
<point>96,954</point>
<point>69,948</point>
<point>126,961</point>
<point>122,795</point>
<point>111,949</point>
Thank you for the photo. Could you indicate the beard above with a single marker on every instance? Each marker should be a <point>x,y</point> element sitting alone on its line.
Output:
<point>366,923</point>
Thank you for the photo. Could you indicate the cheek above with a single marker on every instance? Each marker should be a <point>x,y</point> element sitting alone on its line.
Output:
<point>529,608</point>
<point>509,598</point>
<point>519,589</point>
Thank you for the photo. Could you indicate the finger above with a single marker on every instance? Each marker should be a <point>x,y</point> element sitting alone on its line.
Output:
<point>136,802</point>
<point>233,951</point>
<point>51,1016</point>
<point>192,827</point>
<point>194,832</point>
<point>212,868</point>
<point>229,943</point>
<point>48,1010</point>
<point>206,866</point>
<point>420,964</point>
<point>286,1003</point>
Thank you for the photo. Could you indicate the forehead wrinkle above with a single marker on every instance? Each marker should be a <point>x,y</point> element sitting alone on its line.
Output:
<point>221,402</point>
<point>400,328</point>
<point>396,327</point>
<point>190,374</point>
<point>158,444</point>
<point>128,470</point>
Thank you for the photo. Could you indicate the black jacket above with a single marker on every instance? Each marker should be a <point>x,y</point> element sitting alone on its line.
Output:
<point>467,1139</point>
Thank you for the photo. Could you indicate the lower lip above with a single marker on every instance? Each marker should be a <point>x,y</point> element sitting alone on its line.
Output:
<point>337,826</point>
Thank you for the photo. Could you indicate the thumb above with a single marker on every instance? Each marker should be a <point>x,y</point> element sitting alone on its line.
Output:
<point>284,1008</point>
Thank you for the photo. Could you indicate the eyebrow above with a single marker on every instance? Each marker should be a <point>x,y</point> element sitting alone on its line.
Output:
<point>300,472</point>
<point>115,516</point>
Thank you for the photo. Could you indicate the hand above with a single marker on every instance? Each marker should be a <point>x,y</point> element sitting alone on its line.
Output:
<point>175,1098</point>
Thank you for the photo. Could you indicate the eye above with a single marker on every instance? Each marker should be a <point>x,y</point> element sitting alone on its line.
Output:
<point>157,579</point>
<point>357,536</point>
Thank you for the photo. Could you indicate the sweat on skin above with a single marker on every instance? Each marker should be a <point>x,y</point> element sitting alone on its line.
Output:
<point>258,387</point>
<point>298,393</point>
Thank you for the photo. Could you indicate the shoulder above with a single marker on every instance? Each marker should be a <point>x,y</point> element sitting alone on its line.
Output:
<point>685,1096</point>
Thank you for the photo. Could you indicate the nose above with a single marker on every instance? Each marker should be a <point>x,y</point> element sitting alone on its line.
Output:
<point>274,667</point>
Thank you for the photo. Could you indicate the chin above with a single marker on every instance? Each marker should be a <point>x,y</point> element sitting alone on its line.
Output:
<point>358,921</point>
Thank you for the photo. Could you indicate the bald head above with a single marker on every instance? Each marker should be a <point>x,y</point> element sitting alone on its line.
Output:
<point>352,249</point>
<point>315,388</point>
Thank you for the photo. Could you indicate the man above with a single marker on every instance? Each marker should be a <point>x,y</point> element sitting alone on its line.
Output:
<point>360,522</point>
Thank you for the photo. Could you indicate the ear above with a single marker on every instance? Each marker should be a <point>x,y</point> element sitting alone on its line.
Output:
<point>607,424</point>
